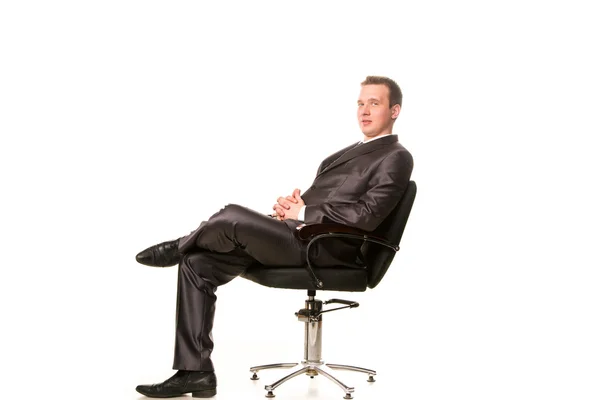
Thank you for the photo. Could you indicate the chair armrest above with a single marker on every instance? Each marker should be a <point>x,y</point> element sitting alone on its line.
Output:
<point>307,232</point>
<point>315,232</point>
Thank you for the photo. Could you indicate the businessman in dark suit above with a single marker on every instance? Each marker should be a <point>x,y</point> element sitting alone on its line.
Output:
<point>356,186</point>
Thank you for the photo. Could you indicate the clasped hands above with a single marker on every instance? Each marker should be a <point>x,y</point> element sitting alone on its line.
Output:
<point>288,207</point>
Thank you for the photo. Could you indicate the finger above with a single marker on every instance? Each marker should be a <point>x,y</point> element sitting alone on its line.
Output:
<point>291,199</point>
<point>280,211</point>
<point>297,195</point>
<point>283,203</point>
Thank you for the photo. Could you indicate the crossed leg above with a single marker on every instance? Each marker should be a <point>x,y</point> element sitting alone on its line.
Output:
<point>221,249</point>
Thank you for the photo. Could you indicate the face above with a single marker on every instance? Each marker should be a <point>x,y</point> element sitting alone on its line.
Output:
<point>375,116</point>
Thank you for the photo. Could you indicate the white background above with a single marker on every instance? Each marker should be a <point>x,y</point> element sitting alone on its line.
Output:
<point>126,123</point>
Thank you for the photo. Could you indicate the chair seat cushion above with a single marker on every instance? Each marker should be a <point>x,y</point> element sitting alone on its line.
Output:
<point>334,278</point>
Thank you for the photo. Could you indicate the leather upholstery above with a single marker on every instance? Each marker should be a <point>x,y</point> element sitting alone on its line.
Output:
<point>379,258</point>
<point>334,278</point>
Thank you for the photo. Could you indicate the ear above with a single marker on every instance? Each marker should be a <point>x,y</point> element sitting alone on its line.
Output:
<point>395,111</point>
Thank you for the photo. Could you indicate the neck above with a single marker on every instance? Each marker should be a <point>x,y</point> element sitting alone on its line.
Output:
<point>369,138</point>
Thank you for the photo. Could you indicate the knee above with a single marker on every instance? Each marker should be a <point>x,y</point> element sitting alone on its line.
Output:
<point>195,269</point>
<point>185,263</point>
<point>229,214</point>
<point>185,270</point>
<point>233,210</point>
<point>222,229</point>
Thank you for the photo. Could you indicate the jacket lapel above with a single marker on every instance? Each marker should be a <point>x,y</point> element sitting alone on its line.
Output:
<point>360,150</point>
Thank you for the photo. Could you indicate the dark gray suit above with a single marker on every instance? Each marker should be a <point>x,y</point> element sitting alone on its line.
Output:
<point>357,186</point>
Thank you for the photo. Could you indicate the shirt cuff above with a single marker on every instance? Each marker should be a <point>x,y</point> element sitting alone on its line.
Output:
<point>301,214</point>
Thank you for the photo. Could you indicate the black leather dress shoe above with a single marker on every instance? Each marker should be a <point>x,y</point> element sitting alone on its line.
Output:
<point>165,254</point>
<point>198,383</point>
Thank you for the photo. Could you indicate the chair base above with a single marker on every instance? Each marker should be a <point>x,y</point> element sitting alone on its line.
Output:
<point>312,369</point>
<point>312,317</point>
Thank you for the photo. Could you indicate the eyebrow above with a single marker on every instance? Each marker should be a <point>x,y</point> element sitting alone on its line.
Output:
<point>370,99</point>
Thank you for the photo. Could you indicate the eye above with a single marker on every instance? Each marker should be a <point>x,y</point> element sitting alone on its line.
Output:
<point>374,103</point>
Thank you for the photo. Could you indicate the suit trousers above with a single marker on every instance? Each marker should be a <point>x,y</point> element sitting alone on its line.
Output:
<point>222,248</point>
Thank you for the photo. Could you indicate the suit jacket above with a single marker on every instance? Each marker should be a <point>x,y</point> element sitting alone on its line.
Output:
<point>359,185</point>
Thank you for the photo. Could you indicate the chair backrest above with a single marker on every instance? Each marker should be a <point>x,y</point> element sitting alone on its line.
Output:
<point>378,258</point>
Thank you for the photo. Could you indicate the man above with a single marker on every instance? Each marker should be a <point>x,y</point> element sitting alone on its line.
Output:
<point>357,186</point>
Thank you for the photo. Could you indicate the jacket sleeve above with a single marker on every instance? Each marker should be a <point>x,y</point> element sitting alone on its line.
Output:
<point>386,188</point>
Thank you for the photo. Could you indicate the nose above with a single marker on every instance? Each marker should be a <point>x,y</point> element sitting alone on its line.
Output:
<point>366,110</point>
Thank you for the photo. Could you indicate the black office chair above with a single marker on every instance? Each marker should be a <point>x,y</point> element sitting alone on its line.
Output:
<point>379,249</point>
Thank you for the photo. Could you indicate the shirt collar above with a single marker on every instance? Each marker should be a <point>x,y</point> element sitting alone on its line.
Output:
<point>378,137</point>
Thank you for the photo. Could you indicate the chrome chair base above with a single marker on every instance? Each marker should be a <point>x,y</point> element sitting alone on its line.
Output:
<point>312,317</point>
<point>312,369</point>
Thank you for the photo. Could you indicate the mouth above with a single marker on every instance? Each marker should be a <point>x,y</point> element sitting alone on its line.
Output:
<point>365,122</point>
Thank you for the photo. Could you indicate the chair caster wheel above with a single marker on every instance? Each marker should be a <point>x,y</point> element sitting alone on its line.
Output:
<point>270,394</point>
<point>254,377</point>
<point>370,379</point>
<point>312,377</point>
<point>348,396</point>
